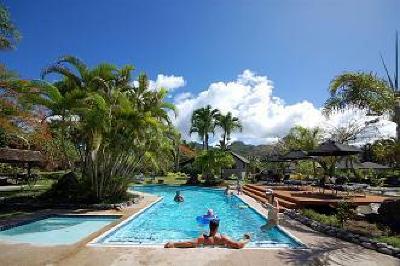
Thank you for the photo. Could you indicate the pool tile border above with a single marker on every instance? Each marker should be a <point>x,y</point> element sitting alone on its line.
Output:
<point>96,241</point>
<point>53,215</point>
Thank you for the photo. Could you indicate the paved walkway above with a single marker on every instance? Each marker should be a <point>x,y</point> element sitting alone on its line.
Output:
<point>17,187</point>
<point>322,250</point>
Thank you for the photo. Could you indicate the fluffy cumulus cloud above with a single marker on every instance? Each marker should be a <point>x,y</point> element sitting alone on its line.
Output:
<point>169,82</point>
<point>264,117</point>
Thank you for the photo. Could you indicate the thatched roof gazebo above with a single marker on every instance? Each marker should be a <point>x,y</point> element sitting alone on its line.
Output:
<point>20,156</point>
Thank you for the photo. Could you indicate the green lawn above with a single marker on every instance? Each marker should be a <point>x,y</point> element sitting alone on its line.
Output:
<point>170,179</point>
<point>5,215</point>
<point>41,186</point>
<point>391,240</point>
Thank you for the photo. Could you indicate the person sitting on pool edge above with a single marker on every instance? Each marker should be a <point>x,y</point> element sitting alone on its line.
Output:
<point>213,238</point>
<point>178,197</point>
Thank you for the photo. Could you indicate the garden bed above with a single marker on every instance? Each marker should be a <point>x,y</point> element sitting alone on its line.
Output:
<point>382,244</point>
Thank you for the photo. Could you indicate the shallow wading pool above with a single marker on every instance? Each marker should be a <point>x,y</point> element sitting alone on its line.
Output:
<point>167,220</point>
<point>56,229</point>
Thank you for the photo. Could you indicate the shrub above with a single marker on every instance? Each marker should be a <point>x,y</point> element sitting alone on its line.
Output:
<point>214,182</point>
<point>391,240</point>
<point>52,175</point>
<point>3,138</point>
<point>344,212</point>
<point>322,218</point>
<point>68,189</point>
<point>190,169</point>
<point>389,213</point>
<point>193,180</point>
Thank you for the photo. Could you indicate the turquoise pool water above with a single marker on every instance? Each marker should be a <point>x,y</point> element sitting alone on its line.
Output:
<point>171,221</point>
<point>57,230</point>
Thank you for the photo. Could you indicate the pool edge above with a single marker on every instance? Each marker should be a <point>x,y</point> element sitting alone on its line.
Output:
<point>95,242</point>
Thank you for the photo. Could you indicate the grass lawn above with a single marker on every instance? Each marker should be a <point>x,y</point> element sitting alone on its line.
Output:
<point>391,240</point>
<point>5,215</point>
<point>41,186</point>
<point>170,179</point>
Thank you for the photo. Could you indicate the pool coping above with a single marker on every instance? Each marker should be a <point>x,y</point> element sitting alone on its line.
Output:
<point>54,215</point>
<point>95,242</point>
<point>302,245</point>
<point>113,218</point>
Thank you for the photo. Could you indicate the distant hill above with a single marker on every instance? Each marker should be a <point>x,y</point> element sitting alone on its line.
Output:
<point>247,150</point>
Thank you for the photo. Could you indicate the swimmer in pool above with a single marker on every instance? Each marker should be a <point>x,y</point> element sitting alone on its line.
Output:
<point>178,197</point>
<point>210,214</point>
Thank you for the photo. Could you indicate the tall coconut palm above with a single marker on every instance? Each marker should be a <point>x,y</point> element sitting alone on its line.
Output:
<point>203,123</point>
<point>228,124</point>
<point>367,91</point>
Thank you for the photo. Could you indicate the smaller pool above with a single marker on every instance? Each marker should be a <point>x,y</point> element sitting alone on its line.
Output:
<point>57,230</point>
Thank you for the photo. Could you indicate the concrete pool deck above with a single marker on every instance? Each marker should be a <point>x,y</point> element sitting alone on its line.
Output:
<point>322,250</point>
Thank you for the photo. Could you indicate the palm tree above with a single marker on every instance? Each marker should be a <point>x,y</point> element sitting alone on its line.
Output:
<point>121,126</point>
<point>203,123</point>
<point>367,91</point>
<point>9,34</point>
<point>301,138</point>
<point>228,124</point>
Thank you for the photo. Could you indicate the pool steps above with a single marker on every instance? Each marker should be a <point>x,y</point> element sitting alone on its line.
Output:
<point>258,193</point>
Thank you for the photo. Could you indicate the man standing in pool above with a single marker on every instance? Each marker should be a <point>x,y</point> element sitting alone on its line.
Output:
<point>213,239</point>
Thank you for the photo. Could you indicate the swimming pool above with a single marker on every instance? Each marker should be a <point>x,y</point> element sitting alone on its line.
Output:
<point>56,230</point>
<point>167,220</point>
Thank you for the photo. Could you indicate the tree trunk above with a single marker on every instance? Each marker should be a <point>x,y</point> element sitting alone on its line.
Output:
<point>206,141</point>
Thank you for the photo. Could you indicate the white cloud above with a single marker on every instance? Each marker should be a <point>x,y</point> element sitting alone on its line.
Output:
<point>169,83</point>
<point>264,117</point>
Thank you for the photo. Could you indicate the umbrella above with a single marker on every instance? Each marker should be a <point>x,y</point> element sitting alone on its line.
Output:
<point>332,148</point>
<point>296,155</point>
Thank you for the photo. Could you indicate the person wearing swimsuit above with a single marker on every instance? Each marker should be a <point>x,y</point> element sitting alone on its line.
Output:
<point>213,238</point>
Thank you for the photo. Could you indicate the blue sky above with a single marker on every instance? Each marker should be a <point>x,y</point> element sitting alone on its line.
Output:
<point>298,44</point>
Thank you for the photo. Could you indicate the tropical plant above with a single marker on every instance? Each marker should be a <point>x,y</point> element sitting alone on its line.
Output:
<point>387,151</point>
<point>343,212</point>
<point>389,214</point>
<point>9,34</point>
<point>367,91</point>
<point>212,161</point>
<point>116,126</point>
<point>301,138</point>
<point>203,122</point>
<point>3,138</point>
<point>228,124</point>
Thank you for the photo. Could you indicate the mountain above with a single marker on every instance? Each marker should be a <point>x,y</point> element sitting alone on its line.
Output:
<point>249,150</point>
